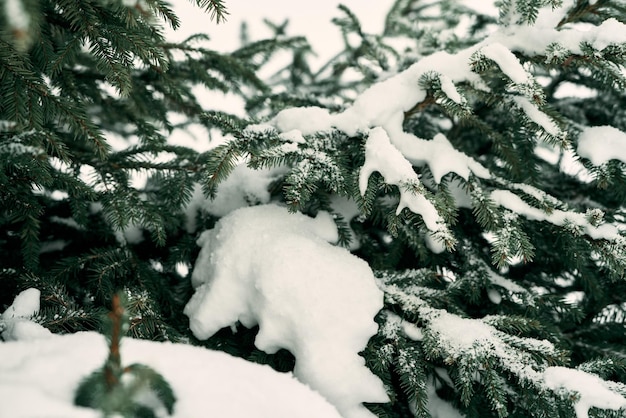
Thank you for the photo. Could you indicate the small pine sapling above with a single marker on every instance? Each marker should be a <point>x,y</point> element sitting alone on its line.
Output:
<point>131,391</point>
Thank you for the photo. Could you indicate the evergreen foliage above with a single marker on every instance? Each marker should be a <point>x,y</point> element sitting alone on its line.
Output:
<point>536,293</point>
<point>89,93</point>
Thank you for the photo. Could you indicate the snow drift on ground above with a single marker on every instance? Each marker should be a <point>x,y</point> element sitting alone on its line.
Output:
<point>40,372</point>
<point>264,265</point>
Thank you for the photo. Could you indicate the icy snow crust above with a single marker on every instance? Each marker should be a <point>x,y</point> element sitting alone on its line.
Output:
<point>264,265</point>
<point>378,112</point>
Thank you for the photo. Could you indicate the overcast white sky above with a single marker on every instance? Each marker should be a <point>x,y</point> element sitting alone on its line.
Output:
<point>309,18</point>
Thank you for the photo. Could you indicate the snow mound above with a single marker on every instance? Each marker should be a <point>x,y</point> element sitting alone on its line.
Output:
<point>38,379</point>
<point>15,322</point>
<point>264,265</point>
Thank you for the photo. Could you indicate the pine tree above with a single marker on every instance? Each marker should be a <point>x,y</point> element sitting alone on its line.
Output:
<point>495,234</point>
<point>493,225</point>
<point>89,93</point>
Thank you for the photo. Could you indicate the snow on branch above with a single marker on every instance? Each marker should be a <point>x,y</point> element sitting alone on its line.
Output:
<point>380,110</point>
<point>455,338</point>
<point>439,154</point>
<point>508,63</point>
<point>382,156</point>
<point>538,117</point>
<point>265,266</point>
<point>590,389</point>
<point>15,322</point>
<point>476,346</point>
<point>514,203</point>
<point>481,268</point>
<point>401,92</point>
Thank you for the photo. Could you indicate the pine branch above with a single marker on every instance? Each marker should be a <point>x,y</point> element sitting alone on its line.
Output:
<point>215,8</point>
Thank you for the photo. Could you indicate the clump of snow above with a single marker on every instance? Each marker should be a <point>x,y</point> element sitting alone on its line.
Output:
<point>610,32</point>
<point>383,157</point>
<point>600,144</point>
<point>412,331</point>
<point>264,265</point>
<point>294,136</point>
<point>534,40</point>
<point>51,246</point>
<point>439,154</point>
<point>448,87</point>
<point>592,391</point>
<point>494,296</point>
<point>460,335</point>
<point>508,62</point>
<point>437,407</point>
<point>39,378</point>
<point>25,305</point>
<point>507,284</point>
<point>394,323</point>
<point>307,120</point>
<point>131,234</point>
<point>538,194</point>
<point>15,321</point>
<point>243,187</point>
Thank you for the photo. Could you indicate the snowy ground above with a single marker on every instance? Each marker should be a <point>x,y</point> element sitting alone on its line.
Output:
<point>39,374</point>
